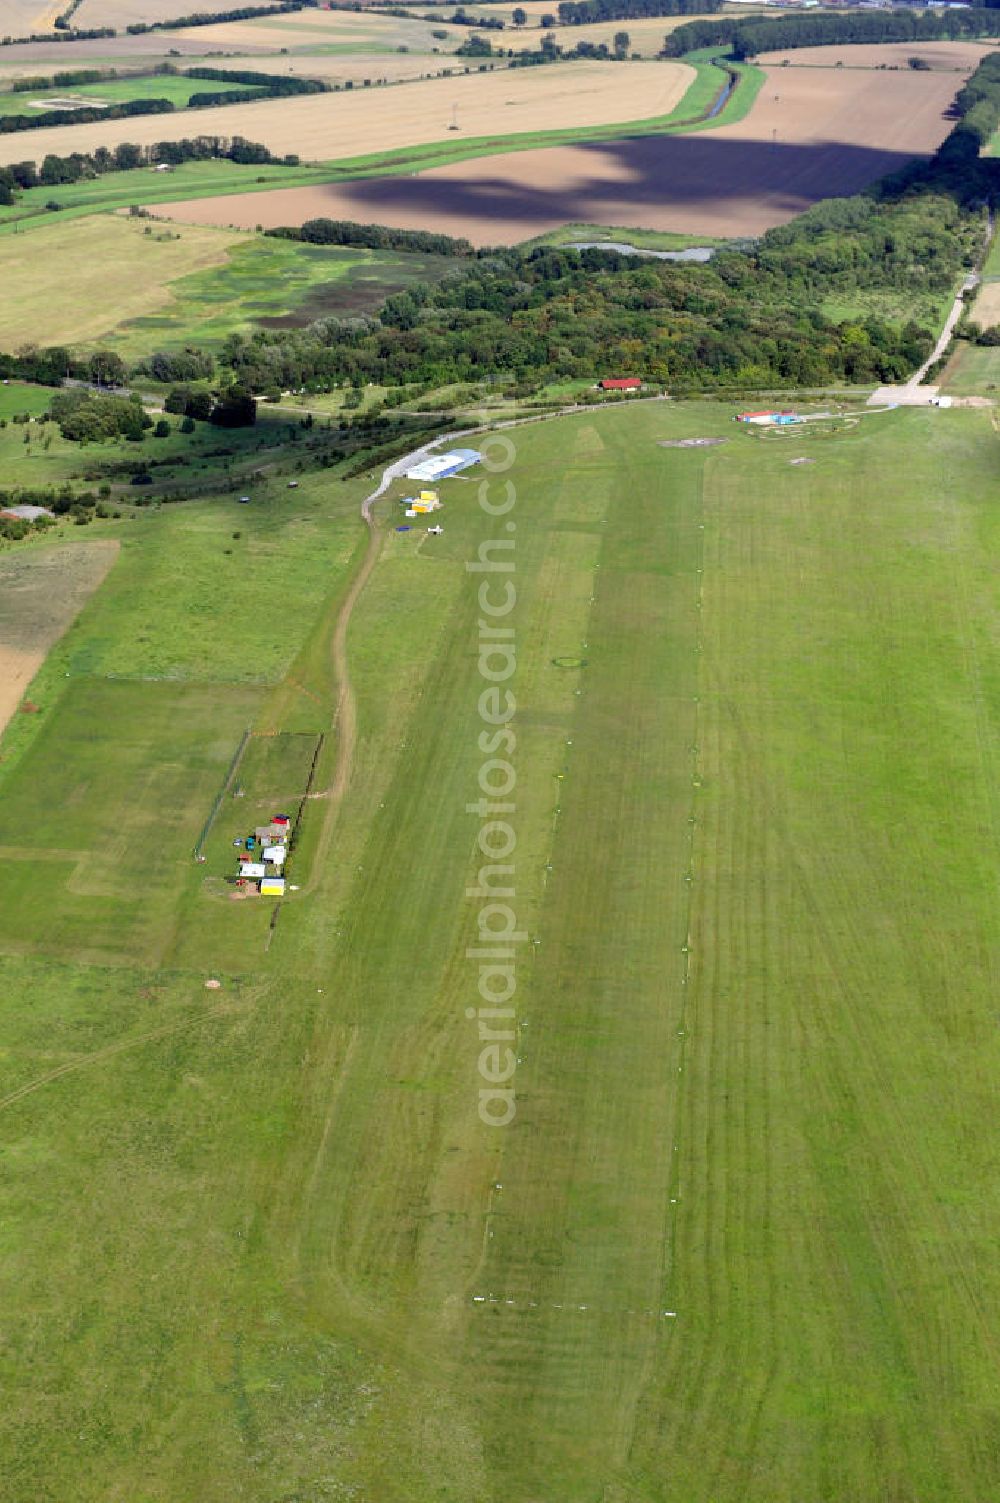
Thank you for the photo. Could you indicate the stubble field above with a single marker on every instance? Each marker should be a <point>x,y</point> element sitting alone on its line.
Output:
<point>755,869</point>
<point>122,13</point>
<point>809,134</point>
<point>19,18</point>
<point>328,127</point>
<point>948,57</point>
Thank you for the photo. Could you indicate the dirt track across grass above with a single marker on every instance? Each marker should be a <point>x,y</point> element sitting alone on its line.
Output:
<point>811,134</point>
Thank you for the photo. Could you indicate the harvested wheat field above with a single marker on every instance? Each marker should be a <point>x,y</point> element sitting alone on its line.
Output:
<point>316,28</point>
<point>338,67</point>
<point>324,127</point>
<point>41,592</point>
<point>810,135</point>
<point>954,57</point>
<point>645,35</point>
<point>122,13</point>
<point>23,18</point>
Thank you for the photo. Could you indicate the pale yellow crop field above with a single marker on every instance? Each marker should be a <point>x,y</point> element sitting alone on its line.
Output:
<point>58,284</point>
<point>122,13</point>
<point>957,57</point>
<point>326,127</point>
<point>365,30</point>
<point>338,68</point>
<point>646,36</point>
<point>25,18</point>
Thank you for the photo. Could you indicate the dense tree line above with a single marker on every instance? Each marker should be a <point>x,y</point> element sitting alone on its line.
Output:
<point>748,38</point>
<point>744,320</point>
<point>94,33</point>
<point>274,81</point>
<point>978,105</point>
<point>63,22</point>
<point>84,115</point>
<point>260,86</point>
<point>582,12</point>
<point>127,157</point>
<point>211,17</point>
<point>63,80</point>
<point>375,236</point>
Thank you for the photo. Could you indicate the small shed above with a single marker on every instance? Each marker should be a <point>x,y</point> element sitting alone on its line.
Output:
<point>272,834</point>
<point>273,887</point>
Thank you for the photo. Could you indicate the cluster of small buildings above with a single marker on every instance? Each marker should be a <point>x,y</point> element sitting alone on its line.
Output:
<point>434,467</point>
<point>262,856</point>
<point>422,505</point>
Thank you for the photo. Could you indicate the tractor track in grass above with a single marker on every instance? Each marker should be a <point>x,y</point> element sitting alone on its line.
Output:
<point>110,1050</point>
<point>344,721</point>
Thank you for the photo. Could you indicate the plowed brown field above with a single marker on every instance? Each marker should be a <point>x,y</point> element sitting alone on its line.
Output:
<point>323,127</point>
<point>811,134</point>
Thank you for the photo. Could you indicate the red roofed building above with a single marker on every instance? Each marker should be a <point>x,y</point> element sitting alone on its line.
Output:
<point>620,383</point>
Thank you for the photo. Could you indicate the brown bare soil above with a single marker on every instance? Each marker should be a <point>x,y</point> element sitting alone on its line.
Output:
<point>811,134</point>
<point>986,310</point>
<point>41,593</point>
<point>324,127</point>
<point>955,57</point>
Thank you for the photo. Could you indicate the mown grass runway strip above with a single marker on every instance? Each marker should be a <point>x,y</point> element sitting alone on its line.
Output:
<point>737,1246</point>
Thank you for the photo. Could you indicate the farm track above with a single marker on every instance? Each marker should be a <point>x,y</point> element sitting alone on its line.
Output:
<point>344,724</point>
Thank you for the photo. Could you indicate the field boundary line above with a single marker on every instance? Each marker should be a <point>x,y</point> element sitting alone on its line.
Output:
<point>226,784</point>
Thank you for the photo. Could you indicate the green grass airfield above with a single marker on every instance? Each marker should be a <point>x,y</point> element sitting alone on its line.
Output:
<point>739,1243</point>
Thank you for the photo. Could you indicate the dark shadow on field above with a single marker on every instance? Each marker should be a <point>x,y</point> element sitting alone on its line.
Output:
<point>636,174</point>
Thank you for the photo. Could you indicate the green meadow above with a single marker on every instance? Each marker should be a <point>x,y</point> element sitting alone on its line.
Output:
<point>187,284</point>
<point>115,90</point>
<point>274,282</point>
<point>119,190</point>
<point>737,1244</point>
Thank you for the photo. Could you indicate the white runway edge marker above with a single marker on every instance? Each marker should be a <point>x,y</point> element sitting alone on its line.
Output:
<point>534,1304</point>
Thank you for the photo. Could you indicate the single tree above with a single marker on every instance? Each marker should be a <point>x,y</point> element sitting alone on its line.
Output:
<point>106,368</point>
